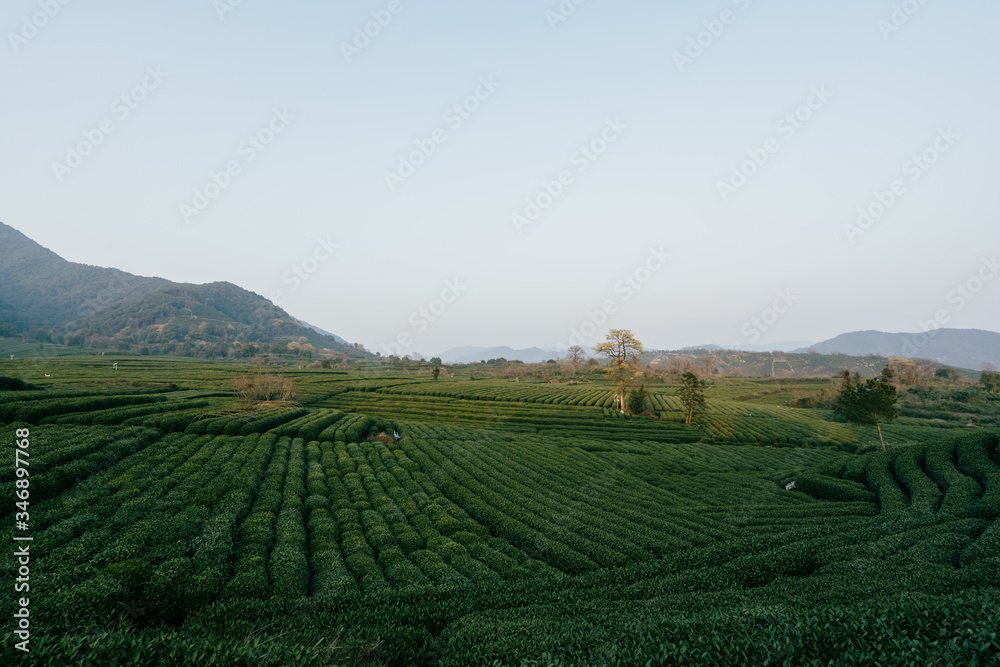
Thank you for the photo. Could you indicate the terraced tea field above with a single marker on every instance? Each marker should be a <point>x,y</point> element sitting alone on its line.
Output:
<point>509,523</point>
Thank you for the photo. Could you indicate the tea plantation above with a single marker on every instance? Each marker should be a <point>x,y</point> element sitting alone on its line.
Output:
<point>384,517</point>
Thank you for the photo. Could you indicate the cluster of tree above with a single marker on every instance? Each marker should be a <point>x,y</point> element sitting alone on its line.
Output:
<point>200,313</point>
<point>622,351</point>
<point>219,349</point>
<point>965,403</point>
<point>517,370</point>
<point>563,369</point>
<point>635,402</point>
<point>209,321</point>
<point>341,362</point>
<point>903,371</point>
<point>946,374</point>
<point>811,399</point>
<point>407,360</point>
<point>990,379</point>
<point>867,402</point>
<point>692,395</point>
<point>264,387</point>
<point>676,366</point>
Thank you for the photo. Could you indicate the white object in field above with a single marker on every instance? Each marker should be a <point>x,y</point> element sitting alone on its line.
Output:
<point>47,375</point>
<point>115,366</point>
<point>790,486</point>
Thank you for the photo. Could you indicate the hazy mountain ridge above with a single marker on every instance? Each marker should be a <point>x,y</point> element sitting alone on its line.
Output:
<point>51,298</point>
<point>781,346</point>
<point>37,281</point>
<point>865,351</point>
<point>962,348</point>
<point>764,364</point>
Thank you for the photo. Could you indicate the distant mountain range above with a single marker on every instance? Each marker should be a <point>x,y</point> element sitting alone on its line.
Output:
<point>472,355</point>
<point>45,297</point>
<point>784,346</point>
<point>962,348</point>
<point>49,298</point>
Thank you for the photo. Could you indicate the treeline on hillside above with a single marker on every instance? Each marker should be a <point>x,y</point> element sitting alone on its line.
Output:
<point>219,321</point>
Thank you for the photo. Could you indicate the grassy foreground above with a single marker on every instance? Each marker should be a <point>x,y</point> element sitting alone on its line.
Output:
<point>512,523</point>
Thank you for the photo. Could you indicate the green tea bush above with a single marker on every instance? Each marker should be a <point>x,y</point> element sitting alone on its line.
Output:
<point>830,488</point>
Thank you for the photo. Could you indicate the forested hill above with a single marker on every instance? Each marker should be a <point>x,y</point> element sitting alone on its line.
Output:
<point>49,298</point>
<point>41,284</point>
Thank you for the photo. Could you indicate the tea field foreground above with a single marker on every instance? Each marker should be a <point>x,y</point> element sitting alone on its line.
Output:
<point>511,523</point>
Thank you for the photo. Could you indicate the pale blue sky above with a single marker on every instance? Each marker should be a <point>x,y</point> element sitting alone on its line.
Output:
<point>679,134</point>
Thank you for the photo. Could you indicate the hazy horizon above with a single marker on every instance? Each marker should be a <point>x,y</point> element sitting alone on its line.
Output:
<point>612,124</point>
